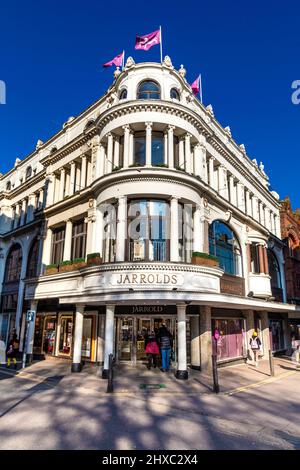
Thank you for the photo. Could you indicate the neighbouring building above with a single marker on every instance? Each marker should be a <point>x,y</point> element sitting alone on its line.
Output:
<point>290,233</point>
<point>142,210</point>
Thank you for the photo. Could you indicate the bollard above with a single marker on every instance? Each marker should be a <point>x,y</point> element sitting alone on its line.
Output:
<point>215,374</point>
<point>271,363</point>
<point>110,385</point>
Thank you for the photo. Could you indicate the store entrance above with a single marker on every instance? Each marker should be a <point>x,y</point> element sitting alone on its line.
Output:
<point>131,332</point>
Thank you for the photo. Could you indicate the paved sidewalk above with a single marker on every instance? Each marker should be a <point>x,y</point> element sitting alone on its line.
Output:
<point>132,380</point>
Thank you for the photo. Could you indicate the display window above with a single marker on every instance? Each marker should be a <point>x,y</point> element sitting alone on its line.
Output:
<point>228,338</point>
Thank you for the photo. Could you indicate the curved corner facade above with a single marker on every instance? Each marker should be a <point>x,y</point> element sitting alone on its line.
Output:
<point>142,210</point>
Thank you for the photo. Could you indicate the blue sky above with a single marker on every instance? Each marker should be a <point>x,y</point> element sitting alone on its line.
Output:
<point>248,53</point>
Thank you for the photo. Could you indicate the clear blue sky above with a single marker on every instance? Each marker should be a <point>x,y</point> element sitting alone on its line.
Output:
<point>247,52</point>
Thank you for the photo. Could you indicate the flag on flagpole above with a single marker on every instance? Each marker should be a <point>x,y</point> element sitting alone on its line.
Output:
<point>118,61</point>
<point>196,86</point>
<point>148,40</point>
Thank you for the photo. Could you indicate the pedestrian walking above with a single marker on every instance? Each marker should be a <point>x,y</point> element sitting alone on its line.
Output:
<point>151,349</point>
<point>255,344</point>
<point>11,352</point>
<point>165,341</point>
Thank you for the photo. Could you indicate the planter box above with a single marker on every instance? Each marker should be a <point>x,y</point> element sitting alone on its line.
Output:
<point>49,271</point>
<point>80,265</point>
<point>96,261</point>
<point>205,261</point>
<point>66,268</point>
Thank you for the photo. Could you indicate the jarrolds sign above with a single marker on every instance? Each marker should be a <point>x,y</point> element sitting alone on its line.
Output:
<point>146,278</point>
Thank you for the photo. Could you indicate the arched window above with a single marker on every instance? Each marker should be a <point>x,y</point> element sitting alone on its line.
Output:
<point>148,90</point>
<point>274,270</point>
<point>28,172</point>
<point>123,94</point>
<point>32,263</point>
<point>13,264</point>
<point>8,186</point>
<point>174,95</point>
<point>225,246</point>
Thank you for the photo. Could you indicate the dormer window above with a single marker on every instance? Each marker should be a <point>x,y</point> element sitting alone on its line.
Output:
<point>123,94</point>
<point>174,95</point>
<point>148,90</point>
<point>28,172</point>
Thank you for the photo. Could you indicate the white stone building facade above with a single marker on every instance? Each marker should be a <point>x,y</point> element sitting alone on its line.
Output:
<point>144,180</point>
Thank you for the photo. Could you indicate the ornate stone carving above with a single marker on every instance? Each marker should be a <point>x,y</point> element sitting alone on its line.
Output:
<point>167,61</point>
<point>242,147</point>
<point>228,130</point>
<point>39,144</point>
<point>129,62</point>
<point>117,72</point>
<point>210,109</point>
<point>182,71</point>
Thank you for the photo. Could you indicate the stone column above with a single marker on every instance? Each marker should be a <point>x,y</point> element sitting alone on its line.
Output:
<point>126,145</point>
<point>266,262</point>
<point>51,183</point>
<point>23,212</point>
<point>211,172</point>
<point>181,373</point>
<point>223,187</point>
<point>83,172</point>
<point>131,148</point>
<point>17,216</point>
<point>261,213</point>
<point>166,148</point>
<point>174,233</point>
<point>31,208</point>
<point>109,337</point>
<point>241,196</point>
<point>249,315</point>
<point>90,221</point>
<point>261,259</point>
<point>121,228</point>
<point>187,148</point>
<point>68,241</point>
<point>47,249</point>
<point>232,190</point>
<point>203,159</point>
<point>205,338</point>
<point>248,203</point>
<point>109,157</point>
<point>171,146</point>
<point>181,153</point>
<point>277,226</point>
<point>116,159</point>
<point>72,178</point>
<point>195,342</point>
<point>148,143</point>
<point>62,184</point>
<point>41,199</point>
<point>255,213</point>
<point>30,335</point>
<point>197,161</point>
<point>76,361</point>
<point>265,333</point>
<point>205,224</point>
<point>197,235</point>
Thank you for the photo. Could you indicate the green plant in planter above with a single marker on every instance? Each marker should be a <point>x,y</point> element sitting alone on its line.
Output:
<point>51,269</point>
<point>79,263</point>
<point>93,259</point>
<point>204,259</point>
<point>66,266</point>
<point>117,168</point>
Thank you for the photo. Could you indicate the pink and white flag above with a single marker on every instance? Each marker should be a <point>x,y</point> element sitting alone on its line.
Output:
<point>196,86</point>
<point>118,60</point>
<point>147,41</point>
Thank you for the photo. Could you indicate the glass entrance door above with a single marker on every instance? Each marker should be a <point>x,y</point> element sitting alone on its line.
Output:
<point>66,333</point>
<point>131,332</point>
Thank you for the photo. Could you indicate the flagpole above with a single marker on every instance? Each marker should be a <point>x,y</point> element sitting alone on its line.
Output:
<point>161,55</point>
<point>123,61</point>
<point>201,98</point>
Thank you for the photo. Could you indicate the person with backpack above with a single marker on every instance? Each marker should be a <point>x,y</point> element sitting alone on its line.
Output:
<point>165,341</point>
<point>255,344</point>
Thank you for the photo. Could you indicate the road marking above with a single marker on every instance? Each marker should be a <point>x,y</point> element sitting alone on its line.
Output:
<point>260,383</point>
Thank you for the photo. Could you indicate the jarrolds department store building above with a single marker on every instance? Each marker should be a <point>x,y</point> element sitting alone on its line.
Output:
<point>142,210</point>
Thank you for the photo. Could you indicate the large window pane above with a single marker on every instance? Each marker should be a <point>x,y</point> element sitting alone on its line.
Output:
<point>224,245</point>
<point>157,156</point>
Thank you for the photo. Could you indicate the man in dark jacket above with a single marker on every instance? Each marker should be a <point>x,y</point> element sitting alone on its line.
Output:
<point>165,341</point>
